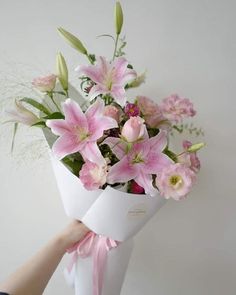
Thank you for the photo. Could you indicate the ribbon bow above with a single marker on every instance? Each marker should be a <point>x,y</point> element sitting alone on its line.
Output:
<point>97,246</point>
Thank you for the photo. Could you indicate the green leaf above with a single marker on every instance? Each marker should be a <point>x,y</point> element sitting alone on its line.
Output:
<point>56,115</point>
<point>39,106</point>
<point>39,124</point>
<point>14,136</point>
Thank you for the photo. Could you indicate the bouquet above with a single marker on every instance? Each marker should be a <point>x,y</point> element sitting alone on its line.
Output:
<point>111,156</point>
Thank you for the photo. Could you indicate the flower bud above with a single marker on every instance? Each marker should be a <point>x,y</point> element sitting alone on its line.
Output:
<point>195,147</point>
<point>73,41</point>
<point>21,115</point>
<point>138,81</point>
<point>133,129</point>
<point>118,18</point>
<point>62,71</point>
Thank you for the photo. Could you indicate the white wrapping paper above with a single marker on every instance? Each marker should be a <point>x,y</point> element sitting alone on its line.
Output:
<point>110,212</point>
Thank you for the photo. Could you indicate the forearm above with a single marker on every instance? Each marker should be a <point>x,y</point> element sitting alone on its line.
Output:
<point>33,277</point>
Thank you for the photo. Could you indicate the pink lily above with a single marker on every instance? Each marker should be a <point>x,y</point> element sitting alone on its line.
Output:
<point>80,131</point>
<point>110,78</point>
<point>144,159</point>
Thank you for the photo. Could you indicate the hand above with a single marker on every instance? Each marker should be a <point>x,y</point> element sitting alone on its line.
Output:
<point>72,234</point>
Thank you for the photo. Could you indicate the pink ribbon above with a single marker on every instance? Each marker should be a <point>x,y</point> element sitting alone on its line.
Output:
<point>98,247</point>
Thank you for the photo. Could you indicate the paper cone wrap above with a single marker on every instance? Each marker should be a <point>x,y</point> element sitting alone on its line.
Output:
<point>109,212</point>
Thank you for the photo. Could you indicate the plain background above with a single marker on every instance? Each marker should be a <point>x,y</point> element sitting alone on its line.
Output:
<point>188,47</point>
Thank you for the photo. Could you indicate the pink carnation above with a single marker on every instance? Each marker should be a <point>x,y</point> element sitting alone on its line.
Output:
<point>175,108</point>
<point>46,83</point>
<point>92,175</point>
<point>152,113</point>
<point>113,112</point>
<point>189,159</point>
<point>175,181</point>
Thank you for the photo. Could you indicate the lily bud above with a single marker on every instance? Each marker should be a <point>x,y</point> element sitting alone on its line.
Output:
<point>138,81</point>
<point>118,18</point>
<point>62,71</point>
<point>195,147</point>
<point>20,114</point>
<point>73,41</point>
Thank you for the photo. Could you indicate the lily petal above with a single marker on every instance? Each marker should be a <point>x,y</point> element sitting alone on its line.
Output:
<point>159,142</point>
<point>90,71</point>
<point>156,162</point>
<point>73,114</point>
<point>65,145</point>
<point>92,153</point>
<point>95,91</point>
<point>117,146</point>
<point>122,172</point>
<point>145,181</point>
<point>58,126</point>
<point>118,93</point>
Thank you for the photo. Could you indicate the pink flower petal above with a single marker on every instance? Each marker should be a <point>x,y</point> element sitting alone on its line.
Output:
<point>103,66</point>
<point>74,114</point>
<point>92,153</point>
<point>122,172</point>
<point>96,109</point>
<point>90,71</point>
<point>58,127</point>
<point>120,65</point>
<point>117,146</point>
<point>95,91</point>
<point>156,162</point>
<point>129,76</point>
<point>118,93</point>
<point>159,141</point>
<point>145,181</point>
<point>97,121</point>
<point>66,145</point>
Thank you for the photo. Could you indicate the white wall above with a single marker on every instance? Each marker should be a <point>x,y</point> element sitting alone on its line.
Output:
<point>187,47</point>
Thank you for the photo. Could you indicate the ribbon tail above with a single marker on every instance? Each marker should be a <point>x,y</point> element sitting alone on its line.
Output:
<point>70,276</point>
<point>99,264</point>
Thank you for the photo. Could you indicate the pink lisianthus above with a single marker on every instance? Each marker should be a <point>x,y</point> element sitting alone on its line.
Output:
<point>175,181</point>
<point>93,176</point>
<point>132,110</point>
<point>175,108</point>
<point>189,159</point>
<point>45,84</point>
<point>142,161</point>
<point>21,115</point>
<point>80,131</point>
<point>113,112</point>
<point>152,113</point>
<point>110,78</point>
<point>134,129</point>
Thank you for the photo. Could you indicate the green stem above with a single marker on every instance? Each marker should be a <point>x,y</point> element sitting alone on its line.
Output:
<point>114,54</point>
<point>89,58</point>
<point>67,93</point>
<point>50,94</point>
